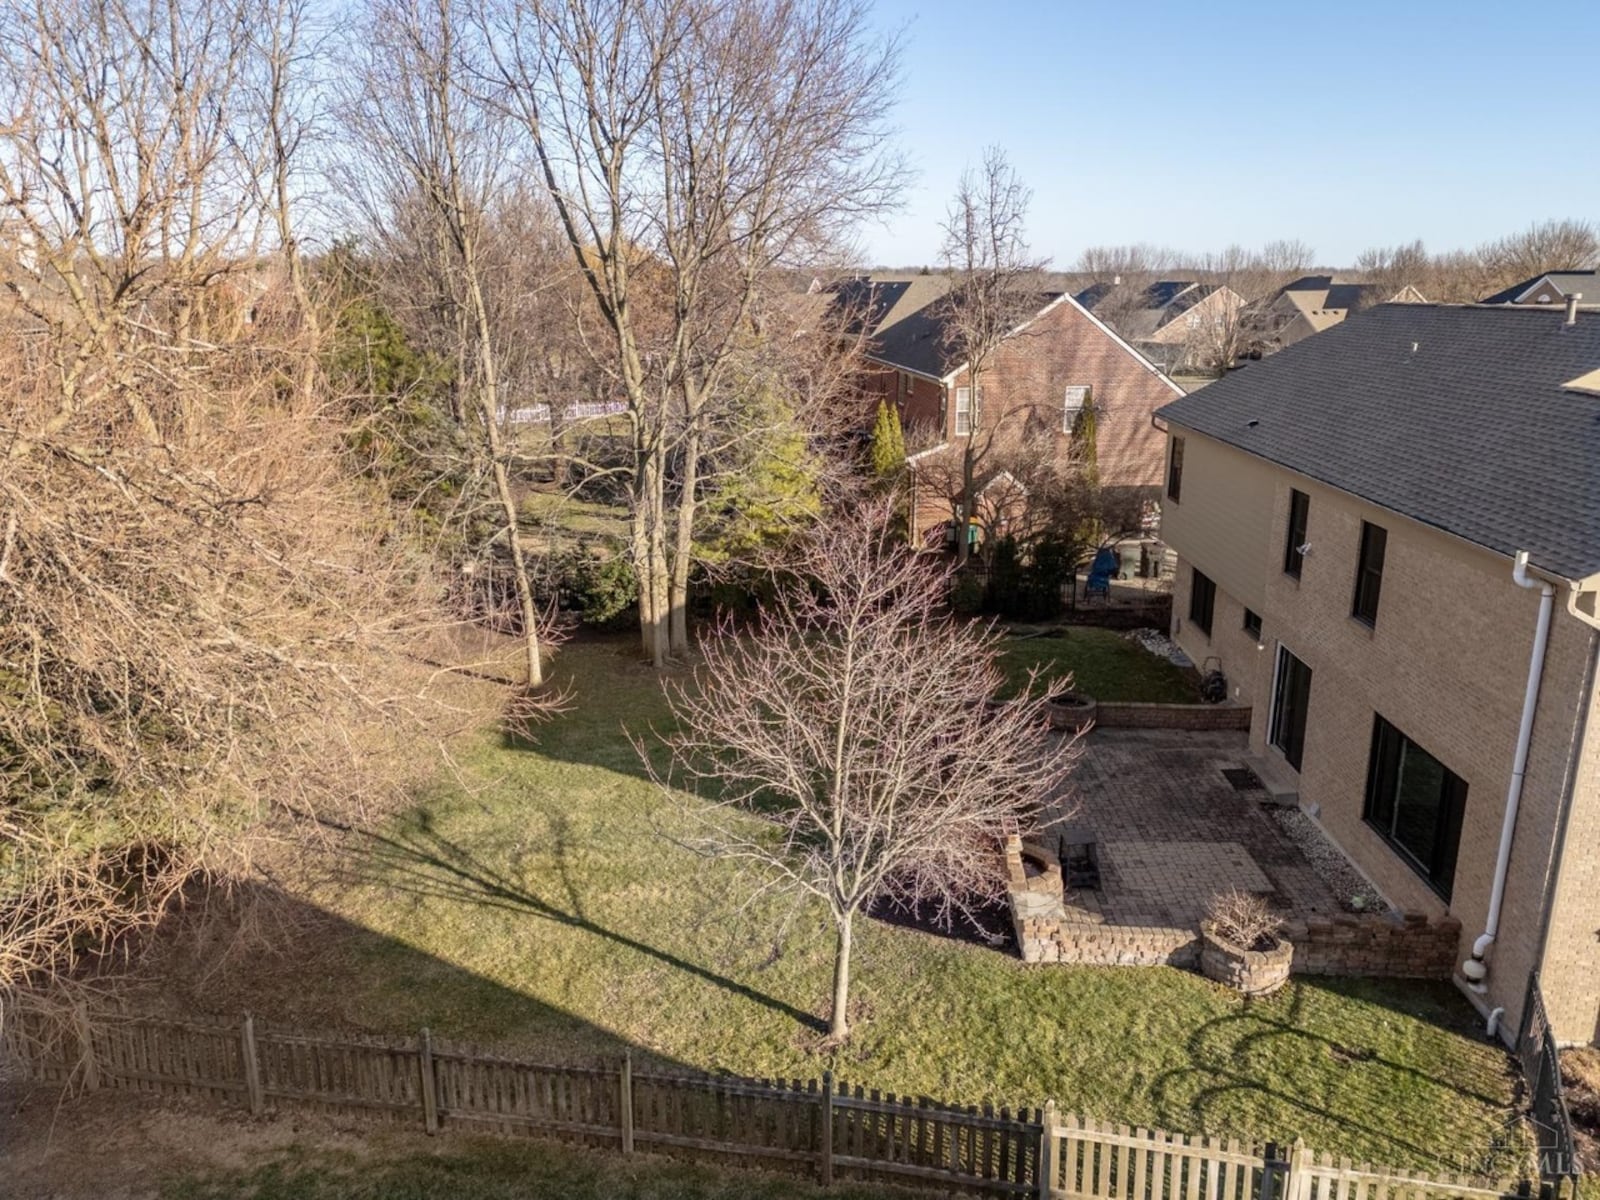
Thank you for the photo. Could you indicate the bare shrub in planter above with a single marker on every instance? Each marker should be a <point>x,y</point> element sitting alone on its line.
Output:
<point>1242,943</point>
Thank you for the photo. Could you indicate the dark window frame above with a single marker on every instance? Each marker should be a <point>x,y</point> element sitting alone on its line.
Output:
<point>1202,613</point>
<point>1175,470</point>
<point>1291,704</point>
<point>1299,517</point>
<point>1369,574</point>
<point>1252,623</point>
<point>1382,810</point>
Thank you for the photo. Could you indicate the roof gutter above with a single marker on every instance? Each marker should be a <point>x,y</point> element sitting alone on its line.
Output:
<point>1474,969</point>
<point>894,366</point>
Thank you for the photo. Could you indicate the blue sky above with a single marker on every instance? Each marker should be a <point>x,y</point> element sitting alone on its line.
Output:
<point>1343,123</point>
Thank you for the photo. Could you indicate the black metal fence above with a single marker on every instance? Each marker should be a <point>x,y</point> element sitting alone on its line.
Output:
<point>1547,1107</point>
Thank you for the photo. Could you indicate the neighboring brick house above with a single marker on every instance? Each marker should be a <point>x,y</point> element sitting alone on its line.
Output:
<point>1169,320</point>
<point>1036,381</point>
<point>1348,517</point>
<point>1552,288</point>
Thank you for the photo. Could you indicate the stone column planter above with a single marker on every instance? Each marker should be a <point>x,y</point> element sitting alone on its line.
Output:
<point>1070,712</point>
<point>1253,972</point>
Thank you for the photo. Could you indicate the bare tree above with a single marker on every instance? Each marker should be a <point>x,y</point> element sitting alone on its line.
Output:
<point>128,187</point>
<point>987,259</point>
<point>876,771</point>
<point>1252,279</point>
<point>1462,276</point>
<point>1554,245</point>
<point>206,631</point>
<point>1106,263</point>
<point>691,150</point>
<point>1122,278</point>
<point>434,154</point>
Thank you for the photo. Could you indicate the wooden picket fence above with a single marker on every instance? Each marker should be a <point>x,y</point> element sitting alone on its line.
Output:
<point>824,1128</point>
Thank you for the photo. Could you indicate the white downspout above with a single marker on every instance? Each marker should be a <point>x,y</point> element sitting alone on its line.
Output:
<point>1474,969</point>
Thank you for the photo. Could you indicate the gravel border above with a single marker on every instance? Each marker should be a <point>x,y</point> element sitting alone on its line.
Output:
<point>1348,885</point>
<point>1155,642</point>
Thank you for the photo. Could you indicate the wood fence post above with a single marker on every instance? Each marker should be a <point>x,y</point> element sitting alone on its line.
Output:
<point>430,1097</point>
<point>1298,1184</point>
<point>252,1067</point>
<point>1047,1150</point>
<point>627,1102</point>
<point>827,1129</point>
<point>91,1065</point>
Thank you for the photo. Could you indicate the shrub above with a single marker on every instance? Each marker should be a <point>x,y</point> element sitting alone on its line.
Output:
<point>966,594</point>
<point>1244,919</point>
<point>603,589</point>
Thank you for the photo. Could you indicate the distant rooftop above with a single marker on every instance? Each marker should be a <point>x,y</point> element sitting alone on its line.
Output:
<point>1586,283</point>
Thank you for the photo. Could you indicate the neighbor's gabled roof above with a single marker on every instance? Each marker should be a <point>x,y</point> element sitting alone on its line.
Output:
<point>1460,417</point>
<point>1565,282</point>
<point>905,330</point>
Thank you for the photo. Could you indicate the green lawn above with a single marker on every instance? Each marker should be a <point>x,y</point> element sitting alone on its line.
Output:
<point>1102,663</point>
<point>539,901</point>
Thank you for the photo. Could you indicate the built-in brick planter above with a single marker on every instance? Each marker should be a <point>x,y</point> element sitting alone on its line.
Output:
<point>1253,972</point>
<point>1073,712</point>
<point>1111,714</point>
<point>1410,946</point>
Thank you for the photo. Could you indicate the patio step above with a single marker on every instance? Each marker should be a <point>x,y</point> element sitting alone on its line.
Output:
<point>1282,784</point>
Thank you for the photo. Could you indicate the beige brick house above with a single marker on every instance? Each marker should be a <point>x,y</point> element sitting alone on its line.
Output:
<point>1173,322</point>
<point>1389,540</point>
<point>1054,364</point>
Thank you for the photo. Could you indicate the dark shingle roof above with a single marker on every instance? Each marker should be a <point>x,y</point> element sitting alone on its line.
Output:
<point>914,343</point>
<point>904,320</point>
<point>1457,417</point>
<point>1094,293</point>
<point>1566,282</point>
<point>1350,296</point>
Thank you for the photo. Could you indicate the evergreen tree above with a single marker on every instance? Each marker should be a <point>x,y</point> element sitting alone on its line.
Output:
<point>888,445</point>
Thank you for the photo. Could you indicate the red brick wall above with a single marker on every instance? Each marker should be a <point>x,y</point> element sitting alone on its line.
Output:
<point>1029,374</point>
<point>1066,348</point>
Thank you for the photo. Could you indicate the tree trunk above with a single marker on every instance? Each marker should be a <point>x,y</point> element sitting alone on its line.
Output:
<point>969,467</point>
<point>489,414</point>
<point>646,550</point>
<point>839,1020</point>
<point>683,547</point>
<point>964,525</point>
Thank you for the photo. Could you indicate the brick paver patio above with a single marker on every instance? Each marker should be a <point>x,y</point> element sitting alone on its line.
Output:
<point>1172,831</point>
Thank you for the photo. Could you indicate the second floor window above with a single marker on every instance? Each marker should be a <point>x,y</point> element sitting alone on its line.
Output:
<point>1202,602</point>
<point>1294,555</point>
<point>1369,573</point>
<point>964,410</point>
<point>1175,469</point>
<point>1072,406</point>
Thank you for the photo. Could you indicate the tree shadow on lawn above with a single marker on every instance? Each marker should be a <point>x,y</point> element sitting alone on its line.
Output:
<point>614,699</point>
<point>422,862</point>
<point>300,967</point>
<point>1219,1053</point>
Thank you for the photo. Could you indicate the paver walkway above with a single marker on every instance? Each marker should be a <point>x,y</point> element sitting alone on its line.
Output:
<point>1172,831</point>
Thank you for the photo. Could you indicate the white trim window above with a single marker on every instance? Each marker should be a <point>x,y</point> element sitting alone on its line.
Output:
<point>964,410</point>
<point>1073,401</point>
